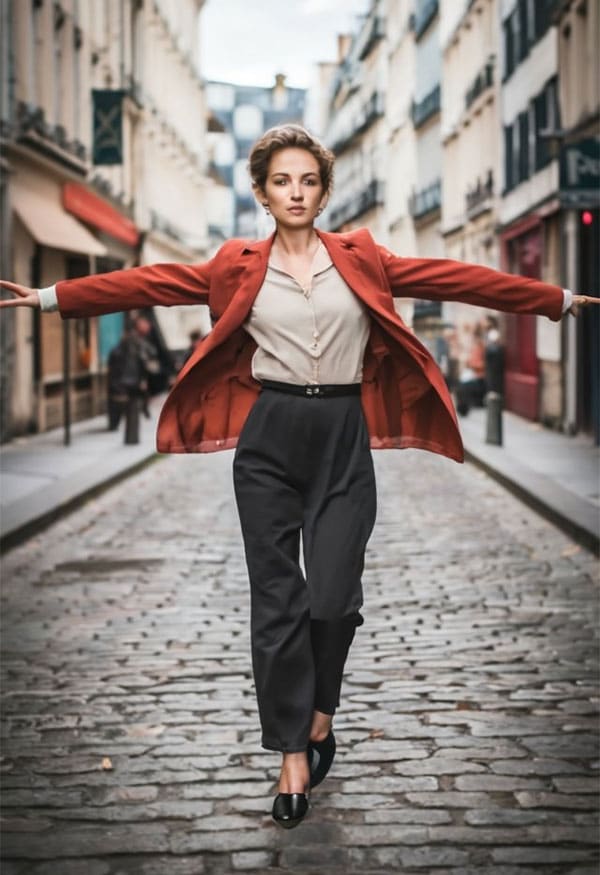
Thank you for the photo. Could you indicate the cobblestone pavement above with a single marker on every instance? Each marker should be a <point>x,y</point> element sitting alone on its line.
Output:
<point>468,734</point>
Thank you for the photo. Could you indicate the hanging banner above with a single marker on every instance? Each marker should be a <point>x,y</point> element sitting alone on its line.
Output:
<point>108,126</point>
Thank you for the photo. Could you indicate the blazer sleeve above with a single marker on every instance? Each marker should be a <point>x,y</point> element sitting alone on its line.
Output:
<point>441,279</point>
<point>165,285</point>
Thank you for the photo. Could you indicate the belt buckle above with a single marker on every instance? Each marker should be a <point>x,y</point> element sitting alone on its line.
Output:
<point>311,391</point>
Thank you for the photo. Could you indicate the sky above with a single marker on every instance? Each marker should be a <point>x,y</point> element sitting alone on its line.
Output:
<point>249,42</point>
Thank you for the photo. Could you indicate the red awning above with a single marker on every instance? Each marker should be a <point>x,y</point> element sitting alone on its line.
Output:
<point>90,208</point>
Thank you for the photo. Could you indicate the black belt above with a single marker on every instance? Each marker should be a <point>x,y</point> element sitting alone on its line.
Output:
<point>320,391</point>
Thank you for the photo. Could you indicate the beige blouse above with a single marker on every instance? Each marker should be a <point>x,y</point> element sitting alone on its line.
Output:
<point>311,335</point>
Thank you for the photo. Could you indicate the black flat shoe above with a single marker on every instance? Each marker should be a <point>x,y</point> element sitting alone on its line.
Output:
<point>289,809</point>
<point>320,758</point>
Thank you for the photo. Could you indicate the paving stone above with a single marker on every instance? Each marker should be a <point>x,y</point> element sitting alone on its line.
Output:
<point>437,765</point>
<point>556,800</point>
<point>453,799</point>
<point>502,783</point>
<point>577,785</point>
<point>407,815</point>
<point>186,842</point>
<point>541,855</point>
<point>390,784</point>
<point>421,858</point>
<point>535,766</point>
<point>71,867</point>
<point>244,860</point>
<point>160,865</point>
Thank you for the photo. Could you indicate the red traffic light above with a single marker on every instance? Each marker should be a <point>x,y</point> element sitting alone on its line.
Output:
<point>587,217</point>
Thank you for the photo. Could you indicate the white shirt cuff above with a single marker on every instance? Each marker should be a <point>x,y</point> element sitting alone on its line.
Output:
<point>48,299</point>
<point>568,300</point>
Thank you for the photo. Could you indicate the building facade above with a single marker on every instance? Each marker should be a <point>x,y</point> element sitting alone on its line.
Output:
<point>238,115</point>
<point>81,193</point>
<point>485,132</point>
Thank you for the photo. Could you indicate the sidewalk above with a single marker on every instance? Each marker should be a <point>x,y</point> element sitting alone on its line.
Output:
<point>558,476</point>
<point>40,478</point>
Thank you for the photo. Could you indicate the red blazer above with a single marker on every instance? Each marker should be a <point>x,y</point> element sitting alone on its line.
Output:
<point>404,396</point>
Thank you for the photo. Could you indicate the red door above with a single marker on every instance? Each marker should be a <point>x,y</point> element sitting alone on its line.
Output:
<point>522,367</point>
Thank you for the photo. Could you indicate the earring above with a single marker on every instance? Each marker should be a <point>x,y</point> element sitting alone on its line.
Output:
<point>319,211</point>
<point>267,210</point>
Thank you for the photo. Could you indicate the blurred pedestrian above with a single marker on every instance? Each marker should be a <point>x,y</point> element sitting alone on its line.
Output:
<point>471,388</point>
<point>494,357</point>
<point>447,356</point>
<point>307,366</point>
<point>149,357</point>
<point>127,376</point>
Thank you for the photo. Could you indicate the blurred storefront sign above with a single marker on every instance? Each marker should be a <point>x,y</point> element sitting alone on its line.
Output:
<point>108,126</point>
<point>580,173</point>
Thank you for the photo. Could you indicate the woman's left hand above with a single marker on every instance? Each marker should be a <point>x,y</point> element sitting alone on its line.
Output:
<point>580,301</point>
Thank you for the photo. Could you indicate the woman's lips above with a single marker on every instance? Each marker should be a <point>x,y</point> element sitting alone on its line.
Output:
<point>296,209</point>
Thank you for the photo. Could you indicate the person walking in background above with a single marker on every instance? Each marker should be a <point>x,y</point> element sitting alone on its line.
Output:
<point>494,357</point>
<point>308,367</point>
<point>470,389</point>
<point>127,378</point>
<point>130,363</point>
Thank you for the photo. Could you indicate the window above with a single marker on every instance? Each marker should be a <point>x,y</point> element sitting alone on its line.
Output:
<point>520,15</point>
<point>523,155</point>
<point>508,48</point>
<point>541,123</point>
<point>508,157</point>
<point>545,110</point>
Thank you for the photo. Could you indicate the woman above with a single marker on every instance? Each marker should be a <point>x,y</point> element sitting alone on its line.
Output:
<point>307,365</point>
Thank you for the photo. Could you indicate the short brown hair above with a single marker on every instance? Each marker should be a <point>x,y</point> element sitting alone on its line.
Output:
<point>284,137</point>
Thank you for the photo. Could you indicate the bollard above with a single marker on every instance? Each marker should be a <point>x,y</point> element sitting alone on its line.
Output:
<point>493,403</point>
<point>132,419</point>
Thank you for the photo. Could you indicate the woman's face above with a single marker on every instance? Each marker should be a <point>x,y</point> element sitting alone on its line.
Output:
<point>293,189</point>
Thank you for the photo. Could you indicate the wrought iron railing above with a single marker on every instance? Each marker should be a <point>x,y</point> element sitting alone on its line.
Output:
<point>427,107</point>
<point>427,200</point>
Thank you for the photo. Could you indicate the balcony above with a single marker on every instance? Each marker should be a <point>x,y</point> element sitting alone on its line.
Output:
<point>425,13</point>
<point>372,195</point>
<point>362,119</point>
<point>426,201</point>
<point>31,125</point>
<point>483,80</point>
<point>426,108</point>
<point>370,36</point>
<point>479,198</point>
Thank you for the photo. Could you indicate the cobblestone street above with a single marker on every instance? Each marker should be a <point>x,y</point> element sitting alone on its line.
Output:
<point>467,736</point>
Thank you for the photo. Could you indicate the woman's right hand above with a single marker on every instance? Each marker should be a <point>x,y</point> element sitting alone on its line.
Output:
<point>24,296</point>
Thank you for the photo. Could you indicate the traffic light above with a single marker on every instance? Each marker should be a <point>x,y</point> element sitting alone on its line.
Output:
<point>587,217</point>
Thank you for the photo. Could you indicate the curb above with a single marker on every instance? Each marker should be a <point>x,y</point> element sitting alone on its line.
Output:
<point>530,488</point>
<point>36,524</point>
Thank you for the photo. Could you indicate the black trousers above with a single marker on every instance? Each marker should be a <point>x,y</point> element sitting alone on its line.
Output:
<point>303,466</point>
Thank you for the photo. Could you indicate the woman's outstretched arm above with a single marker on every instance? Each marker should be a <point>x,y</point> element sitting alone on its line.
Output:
<point>166,285</point>
<point>442,279</point>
